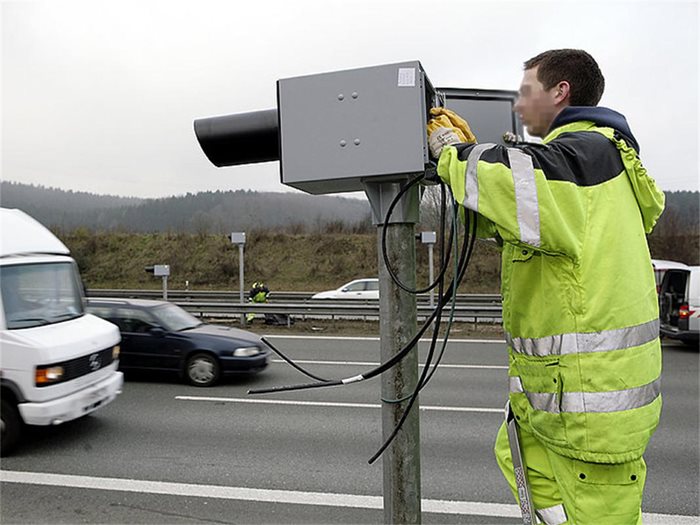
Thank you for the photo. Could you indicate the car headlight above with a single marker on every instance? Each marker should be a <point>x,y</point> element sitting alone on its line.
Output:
<point>115,352</point>
<point>45,375</point>
<point>246,351</point>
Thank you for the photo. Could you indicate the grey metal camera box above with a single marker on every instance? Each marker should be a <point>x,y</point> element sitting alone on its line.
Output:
<point>339,128</point>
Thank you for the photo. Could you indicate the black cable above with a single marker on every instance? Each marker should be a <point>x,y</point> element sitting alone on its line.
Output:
<point>444,345</point>
<point>372,373</point>
<point>422,381</point>
<point>292,363</point>
<point>397,357</point>
<point>303,386</point>
<point>436,315</point>
<point>438,319</point>
<point>389,212</point>
<point>442,351</point>
<point>409,346</point>
<point>444,298</point>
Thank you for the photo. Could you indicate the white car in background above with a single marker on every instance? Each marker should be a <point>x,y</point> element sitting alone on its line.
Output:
<point>357,289</point>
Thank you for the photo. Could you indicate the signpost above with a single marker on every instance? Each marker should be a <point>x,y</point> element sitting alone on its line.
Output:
<point>430,238</point>
<point>239,239</point>
<point>161,270</point>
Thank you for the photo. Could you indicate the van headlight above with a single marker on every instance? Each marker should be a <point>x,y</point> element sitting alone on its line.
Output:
<point>115,352</point>
<point>47,375</point>
<point>246,351</point>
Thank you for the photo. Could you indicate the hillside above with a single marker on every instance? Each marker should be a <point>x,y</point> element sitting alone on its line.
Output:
<point>302,262</point>
<point>287,262</point>
<point>294,242</point>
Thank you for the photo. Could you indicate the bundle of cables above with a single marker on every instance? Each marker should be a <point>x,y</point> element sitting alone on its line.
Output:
<point>446,295</point>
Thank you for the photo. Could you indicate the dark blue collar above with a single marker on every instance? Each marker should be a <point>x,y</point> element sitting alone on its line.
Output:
<point>603,117</point>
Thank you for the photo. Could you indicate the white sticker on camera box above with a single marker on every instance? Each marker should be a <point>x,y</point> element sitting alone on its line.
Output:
<point>407,77</point>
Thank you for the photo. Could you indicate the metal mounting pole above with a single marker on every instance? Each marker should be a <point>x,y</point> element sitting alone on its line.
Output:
<point>431,277</point>
<point>238,238</point>
<point>397,325</point>
<point>240,279</point>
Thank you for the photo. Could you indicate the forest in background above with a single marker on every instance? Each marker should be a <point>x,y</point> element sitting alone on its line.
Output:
<point>323,242</point>
<point>218,212</point>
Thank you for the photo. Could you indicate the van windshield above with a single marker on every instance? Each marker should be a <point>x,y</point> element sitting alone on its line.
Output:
<point>40,294</point>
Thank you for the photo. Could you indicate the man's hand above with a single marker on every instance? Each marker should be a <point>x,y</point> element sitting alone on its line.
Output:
<point>447,128</point>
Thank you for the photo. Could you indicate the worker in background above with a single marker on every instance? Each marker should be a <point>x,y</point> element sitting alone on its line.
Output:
<point>579,300</point>
<point>258,294</point>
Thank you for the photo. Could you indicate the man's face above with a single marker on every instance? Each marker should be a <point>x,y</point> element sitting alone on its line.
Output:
<point>536,106</point>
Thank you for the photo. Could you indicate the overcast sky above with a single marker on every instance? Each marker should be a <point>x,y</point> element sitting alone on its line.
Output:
<point>100,96</point>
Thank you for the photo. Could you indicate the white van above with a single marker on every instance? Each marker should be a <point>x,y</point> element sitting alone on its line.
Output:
<point>679,304</point>
<point>661,267</point>
<point>57,363</point>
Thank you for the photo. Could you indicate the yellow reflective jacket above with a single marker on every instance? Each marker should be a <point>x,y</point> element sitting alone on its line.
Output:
<point>579,300</point>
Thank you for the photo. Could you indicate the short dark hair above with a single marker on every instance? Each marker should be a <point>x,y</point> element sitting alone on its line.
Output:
<point>575,66</point>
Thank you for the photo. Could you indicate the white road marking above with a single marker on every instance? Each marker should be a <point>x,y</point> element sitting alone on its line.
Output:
<point>329,404</point>
<point>326,499</point>
<point>368,363</point>
<point>349,338</point>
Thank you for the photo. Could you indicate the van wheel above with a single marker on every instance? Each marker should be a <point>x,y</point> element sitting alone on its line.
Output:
<point>202,370</point>
<point>11,424</point>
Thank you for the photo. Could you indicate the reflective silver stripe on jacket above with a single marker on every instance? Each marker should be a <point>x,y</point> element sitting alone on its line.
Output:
<point>527,207</point>
<point>603,341</point>
<point>515,386</point>
<point>471,182</point>
<point>614,401</point>
<point>555,515</point>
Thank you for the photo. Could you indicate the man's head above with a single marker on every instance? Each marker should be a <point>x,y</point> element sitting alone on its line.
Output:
<point>554,80</point>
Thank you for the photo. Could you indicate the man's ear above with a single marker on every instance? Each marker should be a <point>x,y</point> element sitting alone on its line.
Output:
<point>562,92</point>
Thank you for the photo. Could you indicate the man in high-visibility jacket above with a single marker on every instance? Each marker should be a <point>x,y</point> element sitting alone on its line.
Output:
<point>579,304</point>
<point>258,294</point>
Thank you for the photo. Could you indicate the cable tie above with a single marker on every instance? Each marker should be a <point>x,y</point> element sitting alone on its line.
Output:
<point>353,379</point>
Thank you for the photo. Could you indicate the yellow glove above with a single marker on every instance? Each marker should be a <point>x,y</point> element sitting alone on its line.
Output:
<point>447,128</point>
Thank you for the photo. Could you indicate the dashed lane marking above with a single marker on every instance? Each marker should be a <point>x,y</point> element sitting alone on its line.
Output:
<point>369,363</point>
<point>330,404</point>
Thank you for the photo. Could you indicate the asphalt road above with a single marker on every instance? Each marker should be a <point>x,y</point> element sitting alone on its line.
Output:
<point>165,452</point>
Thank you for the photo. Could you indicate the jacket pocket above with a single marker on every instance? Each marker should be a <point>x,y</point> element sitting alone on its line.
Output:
<point>542,385</point>
<point>610,473</point>
<point>522,254</point>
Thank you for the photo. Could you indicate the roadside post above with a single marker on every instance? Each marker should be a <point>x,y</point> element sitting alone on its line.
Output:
<point>430,238</point>
<point>238,238</point>
<point>397,326</point>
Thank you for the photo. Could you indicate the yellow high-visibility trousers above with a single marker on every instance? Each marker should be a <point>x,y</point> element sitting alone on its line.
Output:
<point>573,492</point>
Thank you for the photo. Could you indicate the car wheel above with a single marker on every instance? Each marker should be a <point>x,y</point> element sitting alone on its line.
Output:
<point>11,425</point>
<point>202,370</point>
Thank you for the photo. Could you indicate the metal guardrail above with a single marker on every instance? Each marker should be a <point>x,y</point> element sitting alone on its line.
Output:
<point>484,308</point>
<point>282,297</point>
<point>334,311</point>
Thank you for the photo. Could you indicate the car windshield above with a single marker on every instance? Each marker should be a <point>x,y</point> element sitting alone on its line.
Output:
<point>40,294</point>
<point>174,318</point>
